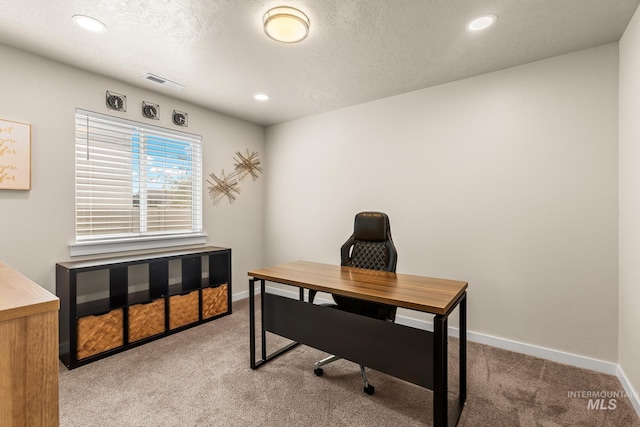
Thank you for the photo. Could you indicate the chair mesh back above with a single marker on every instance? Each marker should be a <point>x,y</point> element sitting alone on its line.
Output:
<point>369,255</point>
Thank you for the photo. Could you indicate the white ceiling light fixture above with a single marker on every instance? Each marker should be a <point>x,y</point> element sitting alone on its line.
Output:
<point>482,22</point>
<point>286,24</point>
<point>261,97</point>
<point>89,23</point>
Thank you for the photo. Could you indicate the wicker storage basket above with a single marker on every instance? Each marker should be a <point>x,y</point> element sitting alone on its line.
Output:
<point>97,334</point>
<point>214,301</point>
<point>146,320</point>
<point>183,309</point>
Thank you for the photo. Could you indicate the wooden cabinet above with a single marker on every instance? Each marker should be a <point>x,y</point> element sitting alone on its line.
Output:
<point>108,305</point>
<point>28,352</point>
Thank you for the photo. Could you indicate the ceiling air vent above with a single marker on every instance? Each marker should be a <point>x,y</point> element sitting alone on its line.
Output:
<point>162,81</point>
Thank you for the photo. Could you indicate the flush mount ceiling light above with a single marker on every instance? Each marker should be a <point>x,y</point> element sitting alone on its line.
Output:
<point>286,24</point>
<point>89,23</point>
<point>482,22</point>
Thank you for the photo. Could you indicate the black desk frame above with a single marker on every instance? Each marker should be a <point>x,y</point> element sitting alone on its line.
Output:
<point>366,341</point>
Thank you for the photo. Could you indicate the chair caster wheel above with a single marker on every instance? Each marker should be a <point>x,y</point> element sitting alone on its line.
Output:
<point>318,372</point>
<point>369,389</point>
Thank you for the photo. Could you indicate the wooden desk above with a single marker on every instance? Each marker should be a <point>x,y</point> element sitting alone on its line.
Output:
<point>28,352</point>
<point>414,355</point>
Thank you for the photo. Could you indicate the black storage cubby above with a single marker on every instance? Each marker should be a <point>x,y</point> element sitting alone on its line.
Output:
<point>191,273</point>
<point>219,268</point>
<point>112,304</point>
<point>158,279</point>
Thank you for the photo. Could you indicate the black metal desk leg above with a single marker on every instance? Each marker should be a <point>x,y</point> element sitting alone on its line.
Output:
<point>440,389</point>
<point>263,335</point>
<point>252,325</point>
<point>463,349</point>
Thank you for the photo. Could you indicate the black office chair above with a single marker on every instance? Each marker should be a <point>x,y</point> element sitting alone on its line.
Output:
<point>369,247</point>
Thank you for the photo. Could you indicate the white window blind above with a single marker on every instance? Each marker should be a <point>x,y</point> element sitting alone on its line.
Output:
<point>135,181</point>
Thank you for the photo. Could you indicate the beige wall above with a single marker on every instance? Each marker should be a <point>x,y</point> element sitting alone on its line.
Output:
<point>506,180</point>
<point>629,299</point>
<point>36,226</point>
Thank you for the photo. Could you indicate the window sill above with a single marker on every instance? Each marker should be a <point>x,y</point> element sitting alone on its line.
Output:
<point>110,246</point>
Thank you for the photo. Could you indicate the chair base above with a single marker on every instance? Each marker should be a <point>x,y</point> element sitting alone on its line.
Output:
<point>317,369</point>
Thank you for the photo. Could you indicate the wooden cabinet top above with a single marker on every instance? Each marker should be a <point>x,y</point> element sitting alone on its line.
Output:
<point>141,257</point>
<point>21,297</point>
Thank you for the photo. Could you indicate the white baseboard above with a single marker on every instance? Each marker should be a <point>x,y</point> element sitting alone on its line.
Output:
<point>546,353</point>
<point>631,393</point>
<point>240,296</point>
<point>506,344</point>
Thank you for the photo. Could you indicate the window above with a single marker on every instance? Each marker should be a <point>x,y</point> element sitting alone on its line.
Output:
<point>135,183</point>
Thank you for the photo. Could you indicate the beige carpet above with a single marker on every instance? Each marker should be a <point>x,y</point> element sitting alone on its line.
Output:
<point>201,377</point>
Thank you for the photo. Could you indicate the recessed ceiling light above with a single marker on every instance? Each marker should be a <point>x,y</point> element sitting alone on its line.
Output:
<point>261,97</point>
<point>482,22</point>
<point>89,23</point>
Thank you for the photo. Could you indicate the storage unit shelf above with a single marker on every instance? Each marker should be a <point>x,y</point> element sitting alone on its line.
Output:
<point>108,305</point>
<point>141,297</point>
<point>94,308</point>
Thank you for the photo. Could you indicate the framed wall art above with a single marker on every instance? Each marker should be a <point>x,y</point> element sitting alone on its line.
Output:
<point>15,155</point>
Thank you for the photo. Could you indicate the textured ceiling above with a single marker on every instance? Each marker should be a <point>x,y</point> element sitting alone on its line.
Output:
<point>357,50</point>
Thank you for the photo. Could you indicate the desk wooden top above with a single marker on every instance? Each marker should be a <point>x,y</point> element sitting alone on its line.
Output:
<point>20,297</point>
<point>420,293</point>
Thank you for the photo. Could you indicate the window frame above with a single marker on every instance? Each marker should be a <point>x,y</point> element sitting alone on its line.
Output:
<point>144,240</point>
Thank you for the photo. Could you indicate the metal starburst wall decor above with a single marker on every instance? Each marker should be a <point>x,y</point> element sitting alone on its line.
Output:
<point>227,186</point>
